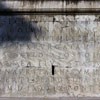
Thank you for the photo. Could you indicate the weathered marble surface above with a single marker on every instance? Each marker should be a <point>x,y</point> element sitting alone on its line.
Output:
<point>50,4</point>
<point>31,44</point>
<point>50,98</point>
<point>70,43</point>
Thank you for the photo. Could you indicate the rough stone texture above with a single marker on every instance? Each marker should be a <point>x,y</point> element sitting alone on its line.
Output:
<point>50,98</point>
<point>69,43</point>
<point>49,4</point>
<point>31,44</point>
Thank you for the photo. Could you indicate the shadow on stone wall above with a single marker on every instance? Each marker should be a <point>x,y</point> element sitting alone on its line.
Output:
<point>17,28</point>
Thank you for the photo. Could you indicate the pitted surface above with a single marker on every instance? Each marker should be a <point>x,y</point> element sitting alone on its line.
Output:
<point>31,44</point>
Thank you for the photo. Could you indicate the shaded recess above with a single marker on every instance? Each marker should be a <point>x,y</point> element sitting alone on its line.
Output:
<point>17,28</point>
<point>67,1</point>
<point>77,1</point>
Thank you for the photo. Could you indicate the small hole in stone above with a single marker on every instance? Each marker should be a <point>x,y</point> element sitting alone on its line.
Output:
<point>53,69</point>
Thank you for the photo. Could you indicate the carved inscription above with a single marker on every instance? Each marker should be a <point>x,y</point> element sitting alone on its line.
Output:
<point>49,57</point>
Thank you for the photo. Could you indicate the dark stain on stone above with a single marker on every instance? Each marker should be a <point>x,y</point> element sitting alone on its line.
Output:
<point>54,19</point>
<point>17,28</point>
<point>29,65</point>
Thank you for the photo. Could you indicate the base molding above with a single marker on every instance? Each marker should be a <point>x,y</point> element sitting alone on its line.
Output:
<point>50,98</point>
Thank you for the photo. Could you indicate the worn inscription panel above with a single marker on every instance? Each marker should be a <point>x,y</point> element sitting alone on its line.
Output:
<point>49,55</point>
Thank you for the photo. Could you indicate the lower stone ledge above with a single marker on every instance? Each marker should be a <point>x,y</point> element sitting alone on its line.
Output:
<point>50,98</point>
